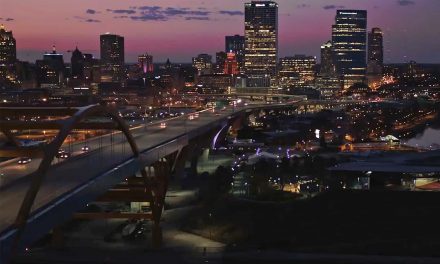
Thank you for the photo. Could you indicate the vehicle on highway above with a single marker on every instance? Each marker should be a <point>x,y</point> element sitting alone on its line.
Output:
<point>85,149</point>
<point>163,125</point>
<point>64,155</point>
<point>24,160</point>
<point>60,152</point>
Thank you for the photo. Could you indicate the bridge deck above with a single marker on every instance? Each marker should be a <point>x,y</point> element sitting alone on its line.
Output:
<point>109,161</point>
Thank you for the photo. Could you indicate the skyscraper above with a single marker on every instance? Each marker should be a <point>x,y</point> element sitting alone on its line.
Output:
<point>8,56</point>
<point>327,64</point>
<point>51,70</point>
<point>77,64</point>
<point>92,69</point>
<point>327,82</point>
<point>261,43</point>
<point>145,62</point>
<point>375,51</point>
<point>236,44</point>
<point>349,39</point>
<point>231,64</point>
<point>297,71</point>
<point>112,58</point>
<point>220,59</point>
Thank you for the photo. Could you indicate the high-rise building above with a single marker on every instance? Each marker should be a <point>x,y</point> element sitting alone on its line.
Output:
<point>214,83</point>
<point>327,82</point>
<point>236,44</point>
<point>327,63</point>
<point>112,58</point>
<point>8,56</point>
<point>375,51</point>
<point>231,64</point>
<point>51,70</point>
<point>220,60</point>
<point>349,39</point>
<point>92,69</point>
<point>77,64</point>
<point>203,64</point>
<point>297,71</point>
<point>145,63</point>
<point>261,43</point>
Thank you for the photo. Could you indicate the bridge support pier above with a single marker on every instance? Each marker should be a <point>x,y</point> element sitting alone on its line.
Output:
<point>156,233</point>
<point>195,160</point>
<point>162,172</point>
<point>179,165</point>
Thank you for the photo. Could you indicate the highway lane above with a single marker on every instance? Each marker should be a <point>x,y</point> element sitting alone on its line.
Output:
<point>72,173</point>
<point>14,171</point>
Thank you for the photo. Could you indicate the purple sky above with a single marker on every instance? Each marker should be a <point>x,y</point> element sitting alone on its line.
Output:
<point>180,29</point>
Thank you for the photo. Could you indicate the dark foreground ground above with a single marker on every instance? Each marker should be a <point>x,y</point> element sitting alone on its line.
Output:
<point>332,228</point>
<point>365,223</point>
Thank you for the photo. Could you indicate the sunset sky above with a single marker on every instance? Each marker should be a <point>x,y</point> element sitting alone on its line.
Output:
<point>180,29</point>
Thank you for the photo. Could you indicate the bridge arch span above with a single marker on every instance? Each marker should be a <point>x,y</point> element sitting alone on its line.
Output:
<point>51,150</point>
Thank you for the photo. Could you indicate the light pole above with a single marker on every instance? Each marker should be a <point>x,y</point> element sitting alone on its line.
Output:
<point>1,178</point>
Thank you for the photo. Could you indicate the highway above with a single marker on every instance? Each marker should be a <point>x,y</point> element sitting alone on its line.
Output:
<point>104,156</point>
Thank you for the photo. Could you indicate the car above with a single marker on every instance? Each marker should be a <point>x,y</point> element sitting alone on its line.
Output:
<point>24,160</point>
<point>60,152</point>
<point>85,149</point>
<point>65,155</point>
<point>163,125</point>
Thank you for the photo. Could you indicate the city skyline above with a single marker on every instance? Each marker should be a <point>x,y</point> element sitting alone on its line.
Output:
<point>167,25</point>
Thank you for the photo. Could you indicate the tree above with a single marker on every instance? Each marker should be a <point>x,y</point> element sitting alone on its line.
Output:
<point>218,183</point>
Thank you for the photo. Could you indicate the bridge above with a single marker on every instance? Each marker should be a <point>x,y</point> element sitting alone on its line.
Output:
<point>125,164</point>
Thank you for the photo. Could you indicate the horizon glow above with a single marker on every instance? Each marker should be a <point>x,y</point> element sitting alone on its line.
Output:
<point>181,29</point>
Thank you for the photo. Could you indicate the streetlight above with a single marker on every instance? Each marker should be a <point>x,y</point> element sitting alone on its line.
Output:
<point>1,178</point>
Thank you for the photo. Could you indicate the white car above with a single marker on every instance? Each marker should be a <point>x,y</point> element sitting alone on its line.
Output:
<point>65,155</point>
<point>85,149</point>
<point>24,160</point>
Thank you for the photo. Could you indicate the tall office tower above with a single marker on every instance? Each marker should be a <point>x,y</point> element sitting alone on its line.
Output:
<point>327,64</point>
<point>145,63</point>
<point>375,51</point>
<point>77,64</point>
<point>236,44</point>
<point>8,56</point>
<point>112,58</point>
<point>349,39</point>
<point>297,71</point>
<point>92,69</point>
<point>203,64</point>
<point>261,43</point>
<point>220,59</point>
<point>51,70</point>
<point>231,64</point>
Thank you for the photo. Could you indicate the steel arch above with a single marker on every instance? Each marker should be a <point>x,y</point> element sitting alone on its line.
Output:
<point>51,150</point>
